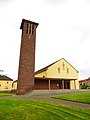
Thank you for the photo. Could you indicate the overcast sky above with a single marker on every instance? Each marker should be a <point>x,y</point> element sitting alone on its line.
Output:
<point>63,32</point>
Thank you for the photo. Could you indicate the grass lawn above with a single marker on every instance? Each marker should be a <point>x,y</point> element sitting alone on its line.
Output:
<point>16,109</point>
<point>4,94</point>
<point>78,97</point>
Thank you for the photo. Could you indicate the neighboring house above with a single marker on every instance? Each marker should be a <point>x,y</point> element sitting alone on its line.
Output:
<point>5,83</point>
<point>58,75</point>
<point>84,83</point>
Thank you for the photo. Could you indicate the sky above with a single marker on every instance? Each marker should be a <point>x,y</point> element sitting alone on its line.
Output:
<point>63,32</point>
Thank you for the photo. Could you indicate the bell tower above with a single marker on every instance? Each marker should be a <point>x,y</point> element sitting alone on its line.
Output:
<point>27,57</point>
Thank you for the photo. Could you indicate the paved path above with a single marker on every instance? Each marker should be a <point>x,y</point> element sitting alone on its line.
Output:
<point>69,103</point>
<point>46,96</point>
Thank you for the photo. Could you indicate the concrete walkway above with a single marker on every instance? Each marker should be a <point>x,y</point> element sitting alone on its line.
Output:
<point>48,98</point>
<point>45,95</point>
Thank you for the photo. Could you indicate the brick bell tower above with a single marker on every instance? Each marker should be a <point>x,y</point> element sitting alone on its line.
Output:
<point>27,57</point>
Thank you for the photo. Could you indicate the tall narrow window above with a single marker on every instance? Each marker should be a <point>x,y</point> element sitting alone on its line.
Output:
<point>63,66</point>
<point>30,28</point>
<point>67,70</point>
<point>27,28</point>
<point>58,69</point>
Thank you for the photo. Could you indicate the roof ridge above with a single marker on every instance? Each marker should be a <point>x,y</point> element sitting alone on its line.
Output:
<point>4,77</point>
<point>45,68</point>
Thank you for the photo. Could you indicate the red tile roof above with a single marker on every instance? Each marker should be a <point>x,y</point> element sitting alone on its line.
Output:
<point>84,80</point>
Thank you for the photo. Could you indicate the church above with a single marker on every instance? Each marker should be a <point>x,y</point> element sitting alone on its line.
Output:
<point>58,75</point>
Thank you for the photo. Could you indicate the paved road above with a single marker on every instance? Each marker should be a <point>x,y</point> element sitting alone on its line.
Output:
<point>46,96</point>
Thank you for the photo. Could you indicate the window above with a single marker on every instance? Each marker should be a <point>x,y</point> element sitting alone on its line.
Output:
<point>27,29</point>
<point>6,82</point>
<point>6,87</point>
<point>80,83</point>
<point>67,70</point>
<point>63,66</point>
<point>30,28</point>
<point>58,69</point>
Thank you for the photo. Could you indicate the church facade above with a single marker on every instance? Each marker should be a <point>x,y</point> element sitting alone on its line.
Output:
<point>58,75</point>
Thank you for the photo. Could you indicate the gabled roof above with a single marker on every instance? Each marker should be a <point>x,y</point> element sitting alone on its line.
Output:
<point>45,68</point>
<point>4,77</point>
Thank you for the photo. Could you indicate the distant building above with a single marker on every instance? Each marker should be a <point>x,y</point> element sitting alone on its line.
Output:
<point>5,83</point>
<point>85,82</point>
<point>58,75</point>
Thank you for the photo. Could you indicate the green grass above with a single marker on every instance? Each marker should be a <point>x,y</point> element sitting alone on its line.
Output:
<point>4,94</point>
<point>79,97</point>
<point>15,109</point>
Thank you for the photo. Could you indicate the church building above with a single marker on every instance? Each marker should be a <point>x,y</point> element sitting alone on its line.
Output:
<point>58,75</point>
